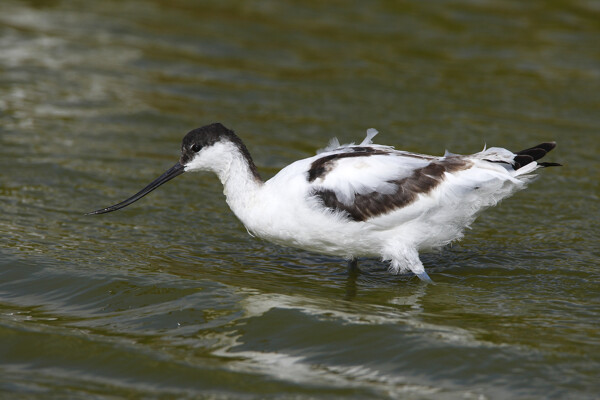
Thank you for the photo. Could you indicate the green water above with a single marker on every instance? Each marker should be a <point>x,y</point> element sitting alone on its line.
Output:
<point>170,298</point>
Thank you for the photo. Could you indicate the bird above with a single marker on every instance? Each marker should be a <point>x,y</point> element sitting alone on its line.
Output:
<point>351,201</point>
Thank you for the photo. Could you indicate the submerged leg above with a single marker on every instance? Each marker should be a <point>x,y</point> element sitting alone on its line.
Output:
<point>351,282</point>
<point>404,259</point>
<point>353,266</point>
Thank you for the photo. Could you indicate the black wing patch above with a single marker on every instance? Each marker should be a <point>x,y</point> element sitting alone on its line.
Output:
<point>369,205</point>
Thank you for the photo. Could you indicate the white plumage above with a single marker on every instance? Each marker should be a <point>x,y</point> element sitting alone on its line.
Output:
<point>357,200</point>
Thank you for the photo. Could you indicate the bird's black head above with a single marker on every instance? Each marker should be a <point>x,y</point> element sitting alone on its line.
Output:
<point>196,140</point>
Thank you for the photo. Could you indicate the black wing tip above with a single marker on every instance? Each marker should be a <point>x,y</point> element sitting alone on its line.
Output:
<point>535,153</point>
<point>551,145</point>
<point>550,164</point>
<point>545,147</point>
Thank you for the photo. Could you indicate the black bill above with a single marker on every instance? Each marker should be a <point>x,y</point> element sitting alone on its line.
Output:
<point>174,171</point>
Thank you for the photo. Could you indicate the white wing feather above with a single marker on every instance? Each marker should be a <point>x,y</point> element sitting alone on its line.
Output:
<point>363,175</point>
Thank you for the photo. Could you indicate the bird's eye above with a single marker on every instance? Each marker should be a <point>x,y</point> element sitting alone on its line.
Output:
<point>196,147</point>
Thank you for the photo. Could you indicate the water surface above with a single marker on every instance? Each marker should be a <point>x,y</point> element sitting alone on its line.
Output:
<point>172,298</point>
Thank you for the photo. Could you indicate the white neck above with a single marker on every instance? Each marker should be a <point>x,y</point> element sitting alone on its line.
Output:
<point>237,173</point>
<point>240,187</point>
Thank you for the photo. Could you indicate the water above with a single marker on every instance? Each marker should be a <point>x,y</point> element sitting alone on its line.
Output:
<point>172,298</point>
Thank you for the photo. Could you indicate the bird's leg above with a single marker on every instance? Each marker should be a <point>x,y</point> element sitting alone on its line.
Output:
<point>353,266</point>
<point>351,286</point>
<point>404,259</point>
